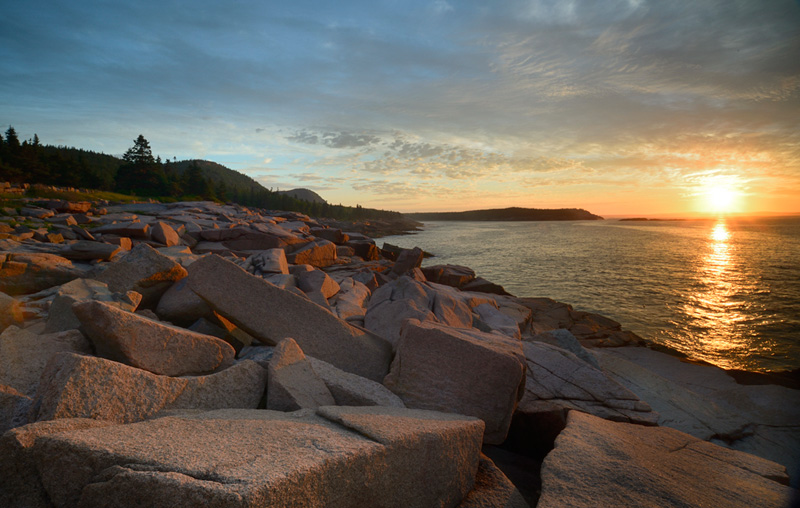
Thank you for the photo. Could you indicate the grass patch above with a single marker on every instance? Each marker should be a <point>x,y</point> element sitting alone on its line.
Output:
<point>80,196</point>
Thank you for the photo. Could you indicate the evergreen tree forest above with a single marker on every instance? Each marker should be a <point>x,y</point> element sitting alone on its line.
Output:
<point>139,173</point>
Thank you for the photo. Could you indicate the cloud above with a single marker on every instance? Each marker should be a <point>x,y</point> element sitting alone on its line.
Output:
<point>426,94</point>
<point>348,140</point>
<point>304,137</point>
<point>441,7</point>
<point>334,139</point>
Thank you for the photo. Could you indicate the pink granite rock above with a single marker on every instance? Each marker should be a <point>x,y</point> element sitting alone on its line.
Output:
<point>77,386</point>
<point>597,462</point>
<point>459,371</point>
<point>159,348</point>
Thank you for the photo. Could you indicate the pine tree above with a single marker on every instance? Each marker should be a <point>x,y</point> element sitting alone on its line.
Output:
<point>139,153</point>
<point>142,174</point>
<point>12,140</point>
<point>193,181</point>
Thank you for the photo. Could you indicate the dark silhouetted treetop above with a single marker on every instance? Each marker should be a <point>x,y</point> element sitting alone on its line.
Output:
<point>142,174</point>
<point>139,153</point>
<point>12,140</point>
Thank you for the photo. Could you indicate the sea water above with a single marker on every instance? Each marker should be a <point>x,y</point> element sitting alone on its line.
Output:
<point>726,291</point>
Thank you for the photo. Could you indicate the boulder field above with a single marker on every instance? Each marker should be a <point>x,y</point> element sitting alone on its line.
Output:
<point>198,354</point>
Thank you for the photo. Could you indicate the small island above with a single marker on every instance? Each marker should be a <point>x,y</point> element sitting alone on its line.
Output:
<point>645,219</point>
<point>508,214</point>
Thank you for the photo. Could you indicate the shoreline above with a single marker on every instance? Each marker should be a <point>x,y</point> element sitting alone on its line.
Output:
<point>786,373</point>
<point>251,314</point>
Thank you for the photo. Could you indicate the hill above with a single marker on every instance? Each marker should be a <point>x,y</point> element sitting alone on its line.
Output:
<point>509,214</point>
<point>233,180</point>
<point>238,183</point>
<point>305,195</point>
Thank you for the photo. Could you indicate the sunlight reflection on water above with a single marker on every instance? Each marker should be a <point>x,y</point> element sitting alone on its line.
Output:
<point>727,292</point>
<point>721,310</point>
<point>712,307</point>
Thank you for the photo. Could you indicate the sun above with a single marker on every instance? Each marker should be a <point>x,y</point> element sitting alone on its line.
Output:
<point>721,199</point>
<point>718,194</point>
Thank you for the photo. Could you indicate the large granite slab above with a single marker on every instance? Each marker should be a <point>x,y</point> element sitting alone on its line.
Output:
<point>597,462</point>
<point>334,457</point>
<point>271,314</point>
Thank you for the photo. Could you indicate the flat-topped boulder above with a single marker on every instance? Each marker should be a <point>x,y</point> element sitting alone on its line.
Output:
<point>460,371</point>
<point>87,250</point>
<point>64,206</point>
<point>35,211</point>
<point>271,314</point>
<point>132,229</point>
<point>331,234</point>
<point>158,348</point>
<point>270,261</point>
<point>79,386</point>
<point>252,237</point>
<point>597,462</point>
<point>450,275</point>
<point>319,252</point>
<point>413,459</point>
<point>28,272</point>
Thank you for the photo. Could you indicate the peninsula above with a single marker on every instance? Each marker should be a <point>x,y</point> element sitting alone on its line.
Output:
<point>509,214</point>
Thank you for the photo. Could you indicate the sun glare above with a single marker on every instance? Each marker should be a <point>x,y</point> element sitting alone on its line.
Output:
<point>721,199</point>
<point>719,196</point>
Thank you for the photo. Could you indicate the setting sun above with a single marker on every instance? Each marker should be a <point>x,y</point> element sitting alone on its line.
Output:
<point>719,194</point>
<point>721,199</point>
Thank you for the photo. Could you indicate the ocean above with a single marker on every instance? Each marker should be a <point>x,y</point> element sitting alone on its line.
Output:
<point>725,291</point>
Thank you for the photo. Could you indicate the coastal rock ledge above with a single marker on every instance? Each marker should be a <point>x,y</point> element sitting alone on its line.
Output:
<point>331,457</point>
<point>199,354</point>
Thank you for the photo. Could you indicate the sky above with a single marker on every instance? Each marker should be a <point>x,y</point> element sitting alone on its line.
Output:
<point>621,107</point>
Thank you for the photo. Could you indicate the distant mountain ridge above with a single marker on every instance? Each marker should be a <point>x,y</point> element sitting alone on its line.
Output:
<point>509,214</point>
<point>304,194</point>
<point>235,180</point>
<point>232,178</point>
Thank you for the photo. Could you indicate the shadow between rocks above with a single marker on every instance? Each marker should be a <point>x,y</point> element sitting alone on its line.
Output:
<point>530,439</point>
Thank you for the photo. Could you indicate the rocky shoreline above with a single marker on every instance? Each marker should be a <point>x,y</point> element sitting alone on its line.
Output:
<point>193,354</point>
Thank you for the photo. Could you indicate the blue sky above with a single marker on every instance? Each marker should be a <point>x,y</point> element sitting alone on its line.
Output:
<point>620,107</point>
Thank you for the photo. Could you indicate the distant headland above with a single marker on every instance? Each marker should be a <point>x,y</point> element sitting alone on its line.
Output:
<point>508,214</point>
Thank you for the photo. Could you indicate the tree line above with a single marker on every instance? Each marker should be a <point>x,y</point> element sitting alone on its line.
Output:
<point>139,173</point>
